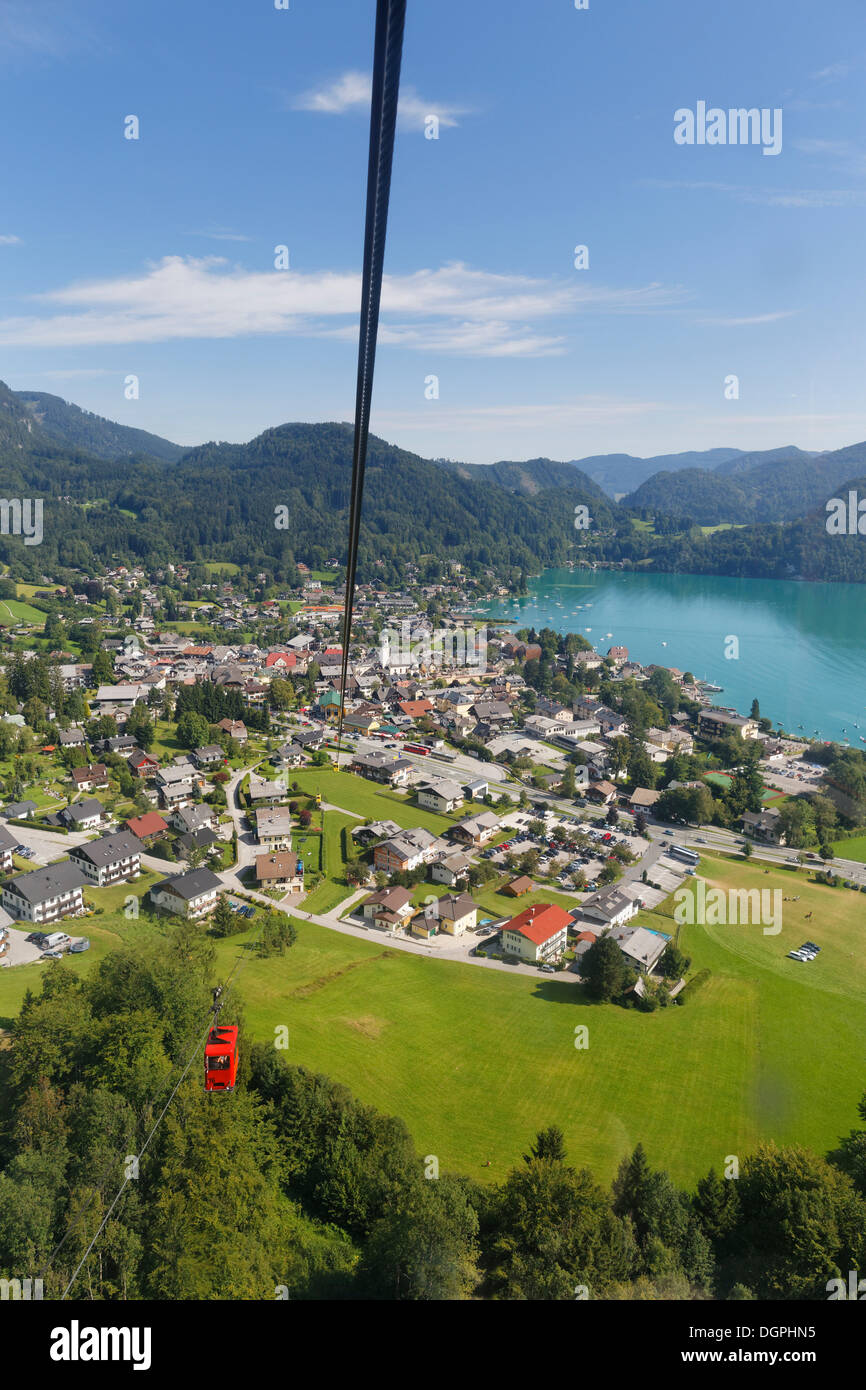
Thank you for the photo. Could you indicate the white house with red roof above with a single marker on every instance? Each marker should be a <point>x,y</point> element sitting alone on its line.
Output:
<point>537,934</point>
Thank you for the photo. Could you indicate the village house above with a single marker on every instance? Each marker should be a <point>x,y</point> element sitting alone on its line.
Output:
<point>87,779</point>
<point>641,948</point>
<point>288,755</point>
<point>387,907</point>
<point>440,795</point>
<point>84,815</point>
<point>235,728</point>
<point>603,793</point>
<point>609,907</point>
<point>264,793</point>
<point>380,766</point>
<point>404,852</point>
<point>476,830</point>
<point>191,895</point>
<point>45,894</point>
<point>72,738</point>
<point>274,827</point>
<point>109,859</point>
<point>451,870</point>
<point>212,755</point>
<point>143,765</point>
<point>8,844</point>
<point>720,723</point>
<point>764,825</point>
<point>147,828</point>
<point>457,913</point>
<point>188,819</point>
<point>538,934</point>
<point>281,869</point>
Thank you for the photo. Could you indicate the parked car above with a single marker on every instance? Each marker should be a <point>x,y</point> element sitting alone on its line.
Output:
<point>546,969</point>
<point>37,938</point>
<point>52,955</point>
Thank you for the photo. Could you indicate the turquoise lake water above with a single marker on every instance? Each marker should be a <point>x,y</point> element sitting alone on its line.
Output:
<point>802,647</point>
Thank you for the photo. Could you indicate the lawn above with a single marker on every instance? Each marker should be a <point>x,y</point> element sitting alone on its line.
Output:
<point>851,849</point>
<point>21,612</point>
<point>767,1048</point>
<point>366,799</point>
<point>477,1060</point>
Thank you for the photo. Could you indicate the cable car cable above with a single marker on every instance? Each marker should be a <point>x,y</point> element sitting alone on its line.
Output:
<point>387,58</point>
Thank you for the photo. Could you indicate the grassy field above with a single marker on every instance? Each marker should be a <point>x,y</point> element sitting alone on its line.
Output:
<point>215,566</point>
<point>13,610</point>
<point>476,1060</point>
<point>767,1048</point>
<point>851,849</point>
<point>366,799</point>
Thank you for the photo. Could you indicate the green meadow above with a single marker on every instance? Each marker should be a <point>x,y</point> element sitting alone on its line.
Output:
<point>476,1060</point>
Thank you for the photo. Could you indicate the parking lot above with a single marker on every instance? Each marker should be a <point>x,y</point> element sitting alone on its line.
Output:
<point>24,952</point>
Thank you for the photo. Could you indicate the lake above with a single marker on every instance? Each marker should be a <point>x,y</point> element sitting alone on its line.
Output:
<point>801,647</point>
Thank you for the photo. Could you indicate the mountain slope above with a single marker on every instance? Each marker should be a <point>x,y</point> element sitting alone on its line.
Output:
<point>782,485</point>
<point>69,424</point>
<point>621,473</point>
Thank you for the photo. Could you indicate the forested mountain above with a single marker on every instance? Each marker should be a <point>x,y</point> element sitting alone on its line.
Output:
<point>284,497</point>
<point>69,424</point>
<point>530,477</point>
<point>618,474</point>
<point>224,501</point>
<point>744,463</point>
<point>767,492</point>
<point>782,487</point>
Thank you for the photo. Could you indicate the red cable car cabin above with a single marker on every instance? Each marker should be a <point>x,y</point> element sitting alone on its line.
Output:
<point>221,1058</point>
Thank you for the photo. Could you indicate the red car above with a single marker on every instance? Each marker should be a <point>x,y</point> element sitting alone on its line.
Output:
<point>221,1058</point>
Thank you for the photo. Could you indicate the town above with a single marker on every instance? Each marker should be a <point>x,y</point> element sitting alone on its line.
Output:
<point>170,748</point>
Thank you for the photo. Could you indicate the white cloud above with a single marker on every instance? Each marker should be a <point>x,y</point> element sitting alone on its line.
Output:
<point>771,197</point>
<point>352,90</point>
<point>222,234</point>
<point>454,309</point>
<point>746,322</point>
<point>46,31</point>
<point>7,239</point>
<point>584,411</point>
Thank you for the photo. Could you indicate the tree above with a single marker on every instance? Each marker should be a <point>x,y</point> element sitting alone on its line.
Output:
<point>755,711</point>
<point>674,963</point>
<point>549,1144</point>
<point>193,730</point>
<point>747,849</point>
<point>553,1229</point>
<point>103,670</point>
<point>278,933</point>
<point>225,922</point>
<point>605,969</point>
<point>612,816</point>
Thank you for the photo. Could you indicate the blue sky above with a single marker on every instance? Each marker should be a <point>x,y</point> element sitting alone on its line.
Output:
<point>155,256</point>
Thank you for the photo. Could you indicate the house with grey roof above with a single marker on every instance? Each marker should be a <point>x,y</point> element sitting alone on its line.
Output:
<point>45,894</point>
<point>190,895</point>
<point>109,859</point>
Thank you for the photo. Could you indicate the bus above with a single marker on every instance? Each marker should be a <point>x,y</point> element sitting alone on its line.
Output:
<point>685,855</point>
